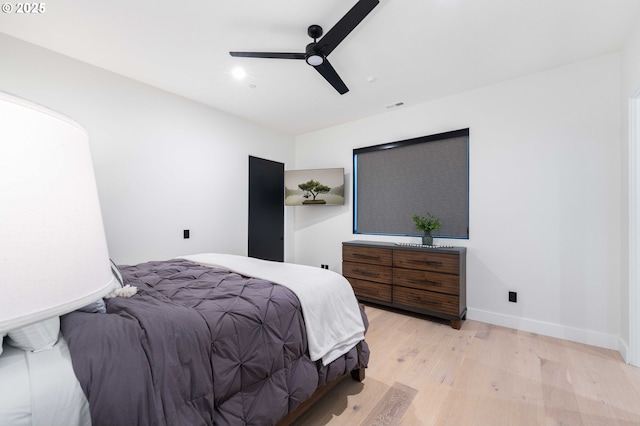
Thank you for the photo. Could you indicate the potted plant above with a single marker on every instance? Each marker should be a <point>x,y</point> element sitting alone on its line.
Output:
<point>427,224</point>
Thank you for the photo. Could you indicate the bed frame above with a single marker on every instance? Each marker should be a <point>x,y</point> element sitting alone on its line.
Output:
<point>357,374</point>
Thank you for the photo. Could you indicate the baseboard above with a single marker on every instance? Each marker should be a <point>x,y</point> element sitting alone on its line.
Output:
<point>623,348</point>
<point>588,337</point>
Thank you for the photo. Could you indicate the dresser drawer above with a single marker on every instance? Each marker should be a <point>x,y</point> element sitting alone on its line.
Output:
<point>377,273</point>
<point>371,290</point>
<point>431,301</point>
<point>369,255</point>
<point>424,280</point>
<point>427,261</point>
<point>427,280</point>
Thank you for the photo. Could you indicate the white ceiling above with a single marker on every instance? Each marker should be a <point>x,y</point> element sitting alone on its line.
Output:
<point>412,50</point>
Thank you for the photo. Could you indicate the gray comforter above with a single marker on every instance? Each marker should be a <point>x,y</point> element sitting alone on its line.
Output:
<point>197,346</point>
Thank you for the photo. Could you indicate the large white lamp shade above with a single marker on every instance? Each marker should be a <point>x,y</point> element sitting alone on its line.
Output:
<point>53,250</point>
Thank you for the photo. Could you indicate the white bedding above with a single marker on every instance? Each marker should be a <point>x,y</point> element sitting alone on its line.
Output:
<point>40,388</point>
<point>330,309</point>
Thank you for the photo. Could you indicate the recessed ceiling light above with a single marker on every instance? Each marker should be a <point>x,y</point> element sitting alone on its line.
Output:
<point>238,73</point>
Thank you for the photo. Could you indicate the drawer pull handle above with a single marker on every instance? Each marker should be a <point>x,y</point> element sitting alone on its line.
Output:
<point>367,273</point>
<point>365,256</point>
<point>428,262</point>
<point>428,302</point>
<point>417,281</point>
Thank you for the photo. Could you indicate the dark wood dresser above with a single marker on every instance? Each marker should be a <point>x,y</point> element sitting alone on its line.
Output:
<point>430,281</point>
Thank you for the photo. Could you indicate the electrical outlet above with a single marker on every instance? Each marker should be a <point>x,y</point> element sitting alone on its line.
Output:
<point>185,234</point>
<point>513,297</point>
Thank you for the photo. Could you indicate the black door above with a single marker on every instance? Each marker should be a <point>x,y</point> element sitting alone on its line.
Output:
<point>266,209</point>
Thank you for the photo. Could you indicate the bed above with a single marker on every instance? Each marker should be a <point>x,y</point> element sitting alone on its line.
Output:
<point>213,340</point>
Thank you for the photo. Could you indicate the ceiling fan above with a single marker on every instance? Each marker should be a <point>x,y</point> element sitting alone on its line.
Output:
<point>316,53</point>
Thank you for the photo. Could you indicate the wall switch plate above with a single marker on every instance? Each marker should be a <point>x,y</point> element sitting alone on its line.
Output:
<point>185,234</point>
<point>513,297</point>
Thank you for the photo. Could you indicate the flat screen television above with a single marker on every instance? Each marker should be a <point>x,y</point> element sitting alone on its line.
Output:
<point>314,187</point>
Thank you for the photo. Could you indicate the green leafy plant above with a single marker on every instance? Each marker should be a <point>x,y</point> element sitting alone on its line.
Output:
<point>426,223</point>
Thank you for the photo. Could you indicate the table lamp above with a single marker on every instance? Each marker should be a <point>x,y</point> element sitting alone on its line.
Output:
<point>53,250</point>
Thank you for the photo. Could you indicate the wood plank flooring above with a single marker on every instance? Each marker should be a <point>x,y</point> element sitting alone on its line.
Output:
<point>423,372</point>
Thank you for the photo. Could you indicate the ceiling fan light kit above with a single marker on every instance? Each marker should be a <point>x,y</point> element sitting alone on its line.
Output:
<point>312,57</point>
<point>316,52</point>
<point>315,60</point>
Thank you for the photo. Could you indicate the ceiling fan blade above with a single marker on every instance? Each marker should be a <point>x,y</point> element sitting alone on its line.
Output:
<point>326,70</point>
<point>345,25</point>
<point>274,55</point>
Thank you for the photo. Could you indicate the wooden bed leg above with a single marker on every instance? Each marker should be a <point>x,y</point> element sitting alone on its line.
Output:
<point>358,374</point>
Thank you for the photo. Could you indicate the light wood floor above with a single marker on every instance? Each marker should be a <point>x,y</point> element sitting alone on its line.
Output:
<point>423,372</point>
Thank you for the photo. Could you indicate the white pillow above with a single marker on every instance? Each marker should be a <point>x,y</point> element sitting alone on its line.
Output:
<point>35,337</point>
<point>97,307</point>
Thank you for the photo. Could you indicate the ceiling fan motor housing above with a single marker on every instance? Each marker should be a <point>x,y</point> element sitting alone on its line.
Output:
<point>313,56</point>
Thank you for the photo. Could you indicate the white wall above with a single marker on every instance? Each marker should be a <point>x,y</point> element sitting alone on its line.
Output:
<point>546,201</point>
<point>545,197</point>
<point>163,163</point>
<point>630,312</point>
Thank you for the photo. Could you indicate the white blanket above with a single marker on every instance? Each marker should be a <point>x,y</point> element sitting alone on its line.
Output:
<point>330,309</point>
